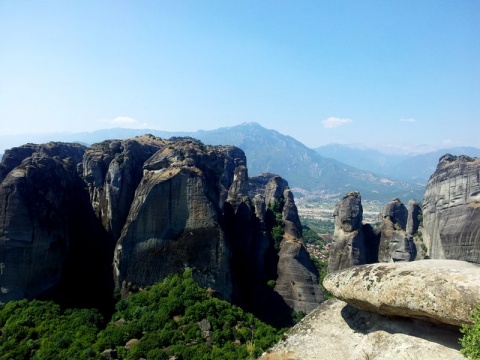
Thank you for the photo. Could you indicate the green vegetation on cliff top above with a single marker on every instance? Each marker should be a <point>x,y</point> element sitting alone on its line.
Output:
<point>165,318</point>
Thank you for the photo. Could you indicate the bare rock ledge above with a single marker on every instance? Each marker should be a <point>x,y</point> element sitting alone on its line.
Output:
<point>444,291</point>
<point>337,331</point>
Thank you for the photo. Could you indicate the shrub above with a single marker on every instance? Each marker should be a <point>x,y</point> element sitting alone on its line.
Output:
<point>471,337</point>
<point>322,272</point>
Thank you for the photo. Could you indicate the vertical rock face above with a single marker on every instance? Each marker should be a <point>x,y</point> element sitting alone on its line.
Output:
<point>175,220</point>
<point>357,244</point>
<point>349,247</point>
<point>414,210</point>
<point>113,169</point>
<point>451,210</point>
<point>395,243</point>
<point>44,216</point>
<point>14,157</point>
<point>151,207</point>
<point>297,281</point>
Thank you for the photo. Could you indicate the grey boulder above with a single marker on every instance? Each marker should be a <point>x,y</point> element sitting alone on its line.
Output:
<point>444,291</point>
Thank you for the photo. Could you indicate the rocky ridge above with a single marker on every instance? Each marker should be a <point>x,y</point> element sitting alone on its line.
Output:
<point>151,207</point>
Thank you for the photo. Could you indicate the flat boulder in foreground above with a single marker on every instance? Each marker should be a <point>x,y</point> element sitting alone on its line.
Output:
<point>445,291</point>
<point>335,330</point>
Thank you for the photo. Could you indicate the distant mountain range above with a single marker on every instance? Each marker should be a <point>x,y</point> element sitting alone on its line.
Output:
<point>328,172</point>
<point>415,168</point>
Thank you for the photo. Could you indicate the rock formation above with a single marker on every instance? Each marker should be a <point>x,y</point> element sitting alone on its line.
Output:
<point>336,330</point>
<point>395,243</point>
<point>112,170</point>
<point>349,242</point>
<point>151,207</point>
<point>444,291</point>
<point>413,212</point>
<point>192,209</point>
<point>385,311</point>
<point>357,244</point>
<point>451,210</point>
<point>175,220</point>
<point>297,276</point>
<point>46,225</point>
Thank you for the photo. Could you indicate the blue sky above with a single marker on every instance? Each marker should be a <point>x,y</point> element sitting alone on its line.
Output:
<point>371,72</point>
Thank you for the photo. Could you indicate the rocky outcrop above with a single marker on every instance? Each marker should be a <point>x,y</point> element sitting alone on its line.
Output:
<point>152,207</point>
<point>113,169</point>
<point>335,330</point>
<point>451,210</point>
<point>395,243</point>
<point>297,281</point>
<point>15,156</point>
<point>444,291</point>
<point>391,240</point>
<point>175,220</point>
<point>349,241</point>
<point>385,313</point>
<point>192,209</point>
<point>414,210</point>
<point>46,226</point>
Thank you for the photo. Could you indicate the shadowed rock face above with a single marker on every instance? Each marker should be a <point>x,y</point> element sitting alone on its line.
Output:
<point>414,210</point>
<point>297,281</point>
<point>349,247</point>
<point>113,170</point>
<point>156,207</point>
<point>357,244</point>
<point>395,243</point>
<point>451,210</point>
<point>175,220</point>
<point>46,225</point>
<point>192,208</point>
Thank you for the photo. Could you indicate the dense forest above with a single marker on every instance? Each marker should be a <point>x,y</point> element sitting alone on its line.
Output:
<point>175,317</point>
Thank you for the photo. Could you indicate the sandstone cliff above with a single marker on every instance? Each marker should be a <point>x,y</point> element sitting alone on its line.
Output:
<point>112,170</point>
<point>451,210</point>
<point>151,207</point>
<point>391,240</point>
<point>192,209</point>
<point>46,226</point>
<point>297,281</point>
<point>175,220</point>
<point>349,246</point>
<point>395,243</point>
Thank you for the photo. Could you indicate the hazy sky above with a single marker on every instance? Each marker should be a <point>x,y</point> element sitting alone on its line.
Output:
<point>353,71</point>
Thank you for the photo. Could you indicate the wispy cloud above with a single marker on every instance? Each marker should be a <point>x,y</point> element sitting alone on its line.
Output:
<point>447,141</point>
<point>125,121</point>
<point>333,122</point>
<point>408,120</point>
